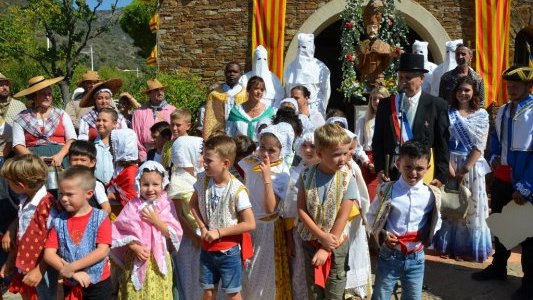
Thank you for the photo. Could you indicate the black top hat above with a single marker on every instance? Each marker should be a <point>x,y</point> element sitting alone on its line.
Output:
<point>411,62</point>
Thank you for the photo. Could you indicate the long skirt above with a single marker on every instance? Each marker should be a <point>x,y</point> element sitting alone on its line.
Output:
<point>297,264</point>
<point>266,274</point>
<point>156,285</point>
<point>359,276</point>
<point>187,271</point>
<point>468,238</point>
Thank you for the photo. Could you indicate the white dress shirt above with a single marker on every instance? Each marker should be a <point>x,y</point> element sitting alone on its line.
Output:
<point>26,211</point>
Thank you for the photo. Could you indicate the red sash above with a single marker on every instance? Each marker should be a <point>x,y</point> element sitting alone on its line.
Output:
<point>321,272</point>
<point>504,173</point>
<point>395,121</point>
<point>227,242</point>
<point>409,238</point>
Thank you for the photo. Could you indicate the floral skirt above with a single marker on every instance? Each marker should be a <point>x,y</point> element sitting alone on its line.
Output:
<point>155,286</point>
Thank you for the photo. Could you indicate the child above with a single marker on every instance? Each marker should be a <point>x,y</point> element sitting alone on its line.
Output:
<point>305,146</point>
<point>266,178</point>
<point>105,123</point>
<point>405,217</point>
<point>143,226</point>
<point>161,134</point>
<point>121,188</point>
<point>325,199</point>
<point>222,210</point>
<point>84,153</point>
<point>180,124</point>
<point>186,154</point>
<point>78,243</point>
<point>245,147</point>
<point>26,175</point>
<point>359,276</point>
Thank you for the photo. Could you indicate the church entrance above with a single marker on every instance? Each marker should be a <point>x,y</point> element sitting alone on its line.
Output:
<point>328,50</point>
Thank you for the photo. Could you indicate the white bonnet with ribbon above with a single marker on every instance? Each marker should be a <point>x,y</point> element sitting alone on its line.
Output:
<point>285,135</point>
<point>151,165</point>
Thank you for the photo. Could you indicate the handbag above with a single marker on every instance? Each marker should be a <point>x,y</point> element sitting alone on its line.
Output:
<point>455,200</point>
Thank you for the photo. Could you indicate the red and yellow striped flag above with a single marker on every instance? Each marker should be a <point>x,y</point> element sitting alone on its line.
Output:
<point>268,29</point>
<point>493,19</point>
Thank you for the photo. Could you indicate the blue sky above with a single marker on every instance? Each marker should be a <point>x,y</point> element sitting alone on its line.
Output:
<point>107,3</point>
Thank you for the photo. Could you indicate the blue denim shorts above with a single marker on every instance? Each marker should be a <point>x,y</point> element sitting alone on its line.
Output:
<point>225,265</point>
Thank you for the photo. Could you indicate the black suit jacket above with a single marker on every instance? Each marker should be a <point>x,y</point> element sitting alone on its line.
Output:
<point>430,126</point>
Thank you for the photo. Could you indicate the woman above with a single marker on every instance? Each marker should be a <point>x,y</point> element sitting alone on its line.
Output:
<point>43,129</point>
<point>101,96</point>
<point>310,119</point>
<point>469,127</point>
<point>364,128</point>
<point>242,118</point>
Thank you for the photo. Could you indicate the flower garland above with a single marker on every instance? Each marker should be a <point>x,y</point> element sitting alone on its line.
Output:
<point>392,31</point>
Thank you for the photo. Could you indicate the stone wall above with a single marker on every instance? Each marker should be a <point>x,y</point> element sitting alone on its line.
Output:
<point>200,36</point>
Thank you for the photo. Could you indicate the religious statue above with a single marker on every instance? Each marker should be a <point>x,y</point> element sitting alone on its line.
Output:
<point>374,55</point>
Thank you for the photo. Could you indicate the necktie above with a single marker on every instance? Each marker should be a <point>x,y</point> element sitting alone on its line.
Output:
<point>409,110</point>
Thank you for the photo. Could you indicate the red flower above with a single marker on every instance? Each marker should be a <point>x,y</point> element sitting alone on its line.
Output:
<point>349,24</point>
<point>350,57</point>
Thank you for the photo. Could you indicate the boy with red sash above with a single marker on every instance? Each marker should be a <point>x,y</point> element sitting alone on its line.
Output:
<point>26,175</point>
<point>511,149</point>
<point>326,196</point>
<point>223,212</point>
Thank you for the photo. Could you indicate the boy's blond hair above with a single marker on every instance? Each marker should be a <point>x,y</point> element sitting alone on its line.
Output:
<point>28,169</point>
<point>223,145</point>
<point>181,114</point>
<point>331,135</point>
<point>83,174</point>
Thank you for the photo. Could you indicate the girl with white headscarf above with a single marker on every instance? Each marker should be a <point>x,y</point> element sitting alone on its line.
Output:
<point>266,179</point>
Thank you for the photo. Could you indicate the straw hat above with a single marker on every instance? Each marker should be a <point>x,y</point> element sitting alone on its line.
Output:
<point>89,76</point>
<point>153,84</point>
<point>36,84</point>
<point>4,78</point>
<point>112,84</point>
<point>134,103</point>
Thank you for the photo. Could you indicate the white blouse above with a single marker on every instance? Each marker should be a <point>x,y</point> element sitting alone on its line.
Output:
<point>20,139</point>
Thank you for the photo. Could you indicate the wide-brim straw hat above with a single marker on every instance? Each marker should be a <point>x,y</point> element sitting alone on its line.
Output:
<point>89,76</point>
<point>4,78</point>
<point>134,103</point>
<point>153,84</point>
<point>113,85</point>
<point>38,83</point>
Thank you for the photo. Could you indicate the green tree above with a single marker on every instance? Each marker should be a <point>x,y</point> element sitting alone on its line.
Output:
<point>53,33</point>
<point>135,22</point>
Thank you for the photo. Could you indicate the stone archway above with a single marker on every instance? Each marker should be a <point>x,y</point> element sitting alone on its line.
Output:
<point>416,17</point>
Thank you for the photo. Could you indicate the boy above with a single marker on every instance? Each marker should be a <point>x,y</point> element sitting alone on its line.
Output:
<point>26,175</point>
<point>84,153</point>
<point>105,123</point>
<point>78,243</point>
<point>223,212</point>
<point>180,124</point>
<point>405,216</point>
<point>326,196</point>
<point>161,134</point>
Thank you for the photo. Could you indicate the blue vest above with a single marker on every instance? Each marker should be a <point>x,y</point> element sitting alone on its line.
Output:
<point>70,252</point>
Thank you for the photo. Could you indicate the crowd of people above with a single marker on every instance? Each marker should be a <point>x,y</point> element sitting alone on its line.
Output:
<point>263,197</point>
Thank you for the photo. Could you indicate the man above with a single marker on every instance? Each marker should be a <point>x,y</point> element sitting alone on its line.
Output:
<point>448,81</point>
<point>310,72</point>
<point>511,149</point>
<point>156,110</point>
<point>412,114</point>
<point>221,100</point>
<point>273,89</point>
<point>72,108</point>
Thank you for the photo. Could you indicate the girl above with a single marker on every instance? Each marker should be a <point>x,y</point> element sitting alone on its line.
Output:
<point>121,188</point>
<point>266,179</point>
<point>364,128</point>
<point>358,277</point>
<point>469,128</point>
<point>140,236</point>
<point>242,118</point>
<point>306,150</point>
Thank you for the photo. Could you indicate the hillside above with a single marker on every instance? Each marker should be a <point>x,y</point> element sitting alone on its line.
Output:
<point>113,48</point>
